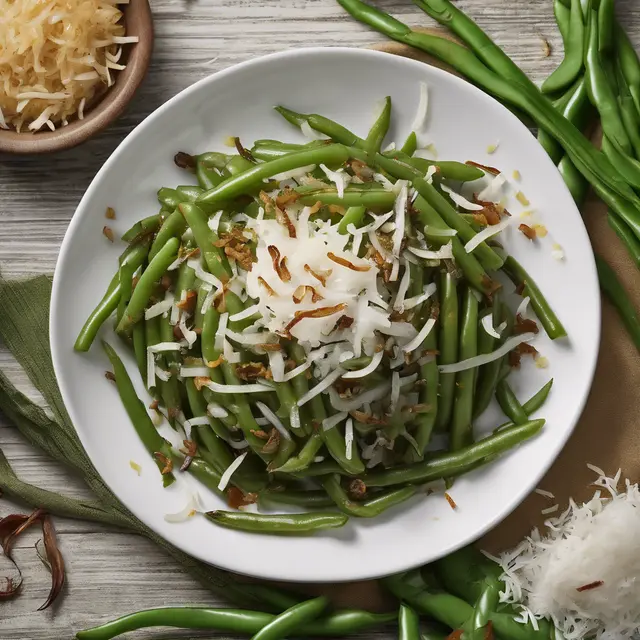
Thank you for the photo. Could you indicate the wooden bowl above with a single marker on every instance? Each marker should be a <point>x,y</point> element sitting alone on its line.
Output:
<point>138,22</point>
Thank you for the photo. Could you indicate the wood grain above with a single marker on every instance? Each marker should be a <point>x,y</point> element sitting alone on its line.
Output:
<point>114,573</point>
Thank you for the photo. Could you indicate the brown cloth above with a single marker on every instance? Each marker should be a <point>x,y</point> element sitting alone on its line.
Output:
<point>608,433</point>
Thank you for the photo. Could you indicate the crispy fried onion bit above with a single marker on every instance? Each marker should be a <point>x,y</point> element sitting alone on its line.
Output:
<point>346,263</point>
<point>190,449</point>
<point>10,528</point>
<point>279,265</point>
<point>236,247</point>
<point>281,215</point>
<point>164,460</point>
<point>322,312</point>
<point>301,291</point>
<point>237,499</point>
<point>272,444</point>
<point>320,277</point>
<point>252,371</point>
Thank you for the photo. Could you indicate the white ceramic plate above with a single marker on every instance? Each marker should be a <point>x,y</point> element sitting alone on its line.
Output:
<point>343,84</point>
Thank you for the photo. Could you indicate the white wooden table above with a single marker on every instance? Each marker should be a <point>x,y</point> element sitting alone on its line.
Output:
<point>112,573</point>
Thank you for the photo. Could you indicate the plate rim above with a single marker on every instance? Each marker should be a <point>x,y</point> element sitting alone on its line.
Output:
<point>58,357</point>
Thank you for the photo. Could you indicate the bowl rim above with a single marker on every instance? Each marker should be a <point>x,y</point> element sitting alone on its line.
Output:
<point>139,21</point>
<point>58,356</point>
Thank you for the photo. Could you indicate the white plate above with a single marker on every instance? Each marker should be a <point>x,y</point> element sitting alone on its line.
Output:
<point>343,84</point>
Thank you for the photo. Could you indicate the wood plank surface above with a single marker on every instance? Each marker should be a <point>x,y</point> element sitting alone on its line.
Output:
<point>111,573</point>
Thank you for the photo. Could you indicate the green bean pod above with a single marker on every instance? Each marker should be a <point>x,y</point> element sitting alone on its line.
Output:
<point>461,433</point>
<point>289,523</point>
<point>291,619</point>
<point>454,463</point>
<point>137,412</point>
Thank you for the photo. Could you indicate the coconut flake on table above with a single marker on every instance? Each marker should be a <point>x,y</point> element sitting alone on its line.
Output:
<point>584,573</point>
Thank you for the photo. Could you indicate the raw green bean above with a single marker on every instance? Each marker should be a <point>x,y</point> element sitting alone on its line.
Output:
<point>606,20</point>
<point>338,623</point>
<point>448,343</point>
<point>408,623</point>
<point>143,227</point>
<point>451,464</point>
<point>307,499</point>
<point>369,509</point>
<point>629,63</point>
<point>601,94</point>
<point>144,288</point>
<point>628,167</point>
<point>461,433</point>
<point>519,276</point>
<point>379,129</point>
<point>134,256</point>
<point>613,289</point>
<point>625,234</point>
<point>205,238</point>
<point>510,404</point>
<point>241,183</point>
<point>283,523</point>
<point>289,621</point>
<point>574,180</point>
<point>428,599</point>
<point>571,65</point>
<point>354,216</point>
<point>410,144</point>
<point>137,412</point>
<point>277,599</point>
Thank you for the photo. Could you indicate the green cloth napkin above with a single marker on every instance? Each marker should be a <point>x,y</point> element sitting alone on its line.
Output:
<point>24,329</point>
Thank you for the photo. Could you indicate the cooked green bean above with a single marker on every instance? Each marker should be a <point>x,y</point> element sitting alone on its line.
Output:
<point>518,275</point>
<point>134,256</point>
<point>450,464</point>
<point>510,404</point>
<point>379,129</point>
<point>143,228</point>
<point>461,433</point>
<point>239,184</point>
<point>144,288</point>
<point>449,337</point>
<point>625,234</point>
<point>286,523</point>
<point>369,509</point>
<point>410,144</point>
<point>155,444</point>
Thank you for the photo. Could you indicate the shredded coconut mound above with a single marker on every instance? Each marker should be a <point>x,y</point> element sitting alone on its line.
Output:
<point>584,574</point>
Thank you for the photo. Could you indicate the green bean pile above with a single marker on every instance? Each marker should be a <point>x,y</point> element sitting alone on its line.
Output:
<point>207,353</point>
